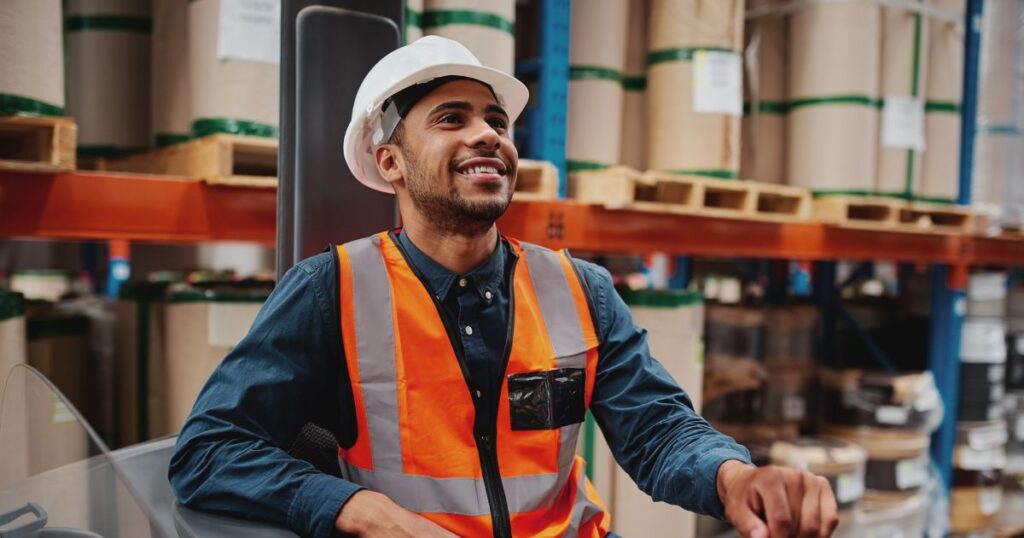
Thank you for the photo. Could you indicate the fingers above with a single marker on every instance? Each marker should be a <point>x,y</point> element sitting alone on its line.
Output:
<point>747,522</point>
<point>777,508</point>
<point>810,507</point>
<point>829,509</point>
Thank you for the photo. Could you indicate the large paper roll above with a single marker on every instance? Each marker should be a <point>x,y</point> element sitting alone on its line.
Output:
<point>413,20</point>
<point>170,115</point>
<point>233,91</point>
<point>485,27</point>
<point>31,57</point>
<point>597,57</point>
<point>940,164</point>
<point>634,86</point>
<point>764,111</point>
<point>833,105</point>
<point>108,75</point>
<point>904,70</point>
<point>695,94</point>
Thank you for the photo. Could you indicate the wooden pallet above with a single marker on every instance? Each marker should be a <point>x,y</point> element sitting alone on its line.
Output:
<point>625,188</point>
<point>536,181</point>
<point>218,159</point>
<point>869,212</point>
<point>38,144</point>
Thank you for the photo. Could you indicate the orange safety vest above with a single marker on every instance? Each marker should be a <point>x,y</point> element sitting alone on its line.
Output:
<point>420,440</point>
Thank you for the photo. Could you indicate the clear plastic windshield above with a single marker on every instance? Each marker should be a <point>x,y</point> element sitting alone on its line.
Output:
<point>57,474</point>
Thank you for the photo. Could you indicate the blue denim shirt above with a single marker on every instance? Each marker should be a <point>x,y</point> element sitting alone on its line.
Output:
<point>289,370</point>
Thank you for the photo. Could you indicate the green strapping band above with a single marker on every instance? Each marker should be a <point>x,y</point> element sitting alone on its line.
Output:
<point>842,192</point>
<point>860,100</point>
<point>908,181</point>
<point>935,200</point>
<point>86,23</point>
<point>718,174</point>
<point>11,105</point>
<point>12,305</point>
<point>659,298</point>
<point>108,150</point>
<point>683,54</point>
<point>942,106</point>
<point>162,140</point>
<point>413,18</point>
<point>592,72</point>
<point>586,166</point>
<point>900,195</point>
<point>1009,130</point>
<point>433,19</point>
<point>634,84</point>
<point>209,126</point>
<point>778,108</point>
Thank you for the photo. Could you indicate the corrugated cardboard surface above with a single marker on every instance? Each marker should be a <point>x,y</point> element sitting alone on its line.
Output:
<point>32,50</point>
<point>236,89</point>
<point>678,137</point>
<point>493,47</point>
<point>899,42</point>
<point>940,163</point>
<point>169,91</point>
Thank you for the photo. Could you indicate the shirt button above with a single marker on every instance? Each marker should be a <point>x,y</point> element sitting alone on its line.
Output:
<point>478,394</point>
<point>462,282</point>
<point>469,330</point>
<point>488,295</point>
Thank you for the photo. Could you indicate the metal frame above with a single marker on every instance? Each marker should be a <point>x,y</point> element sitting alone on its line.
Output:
<point>547,121</point>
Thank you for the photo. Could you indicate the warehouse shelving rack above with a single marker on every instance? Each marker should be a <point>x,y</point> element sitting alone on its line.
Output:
<point>132,207</point>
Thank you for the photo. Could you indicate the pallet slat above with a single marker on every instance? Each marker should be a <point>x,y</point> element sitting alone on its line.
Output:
<point>869,212</point>
<point>625,188</point>
<point>536,181</point>
<point>37,144</point>
<point>216,159</point>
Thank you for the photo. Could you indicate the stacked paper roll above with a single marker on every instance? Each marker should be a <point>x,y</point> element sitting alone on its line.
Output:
<point>170,115</point>
<point>108,75</point>
<point>833,85</point>
<point>904,70</point>
<point>634,85</point>
<point>999,145</point>
<point>695,94</point>
<point>597,57</point>
<point>31,57</point>
<point>485,27</point>
<point>764,110</point>
<point>940,164</point>
<point>233,66</point>
<point>14,442</point>
<point>413,14</point>
<point>979,458</point>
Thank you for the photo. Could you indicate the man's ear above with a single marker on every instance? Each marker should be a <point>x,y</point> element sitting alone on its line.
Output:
<point>389,163</point>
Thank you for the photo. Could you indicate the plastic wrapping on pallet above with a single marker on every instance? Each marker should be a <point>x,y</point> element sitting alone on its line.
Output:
<point>597,58</point>
<point>485,27</point>
<point>940,165</point>
<point>170,115</point>
<point>694,86</point>
<point>764,112</point>
<point>31,57</point>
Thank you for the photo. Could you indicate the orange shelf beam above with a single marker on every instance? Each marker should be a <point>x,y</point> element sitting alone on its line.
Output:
<point>108,205</point>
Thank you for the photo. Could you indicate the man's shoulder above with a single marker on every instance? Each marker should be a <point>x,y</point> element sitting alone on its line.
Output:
<point>317,263</point>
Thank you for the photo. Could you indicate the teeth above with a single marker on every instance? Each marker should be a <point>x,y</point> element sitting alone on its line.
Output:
<point>481,170</point>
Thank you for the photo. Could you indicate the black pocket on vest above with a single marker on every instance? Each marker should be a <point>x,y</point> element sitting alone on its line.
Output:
<point>547,400</point>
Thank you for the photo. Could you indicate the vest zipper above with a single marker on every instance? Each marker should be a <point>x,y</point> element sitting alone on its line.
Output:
<point>485,421</point>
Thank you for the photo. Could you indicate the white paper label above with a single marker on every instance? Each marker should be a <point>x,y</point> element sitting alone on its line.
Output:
<point>794,408</point>
<point>987,287</point>
<point>849,487</point>
<point>889,414</point>
<point>229,322</point>
<point>981,460</point>
<point>912,473</point>
<point>903,122</point>
<point>250,30</point>
<point>991,500</point>
<point>987,438</point>
<point>718,82</point>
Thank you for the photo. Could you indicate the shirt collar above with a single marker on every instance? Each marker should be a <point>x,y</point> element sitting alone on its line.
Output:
<point>486,277</point>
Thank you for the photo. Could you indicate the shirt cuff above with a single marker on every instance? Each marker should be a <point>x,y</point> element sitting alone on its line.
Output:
<point>708,464</point>
<point>316,505</point>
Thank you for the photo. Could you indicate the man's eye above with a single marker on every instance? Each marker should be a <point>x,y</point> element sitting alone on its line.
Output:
<point>498,123</point>
<point>449,118</point>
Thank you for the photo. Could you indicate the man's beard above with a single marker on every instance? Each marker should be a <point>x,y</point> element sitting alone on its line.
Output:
<point>448,210</point>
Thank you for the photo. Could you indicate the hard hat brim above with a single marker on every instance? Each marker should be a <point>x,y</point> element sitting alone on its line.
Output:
<point>358,146</point>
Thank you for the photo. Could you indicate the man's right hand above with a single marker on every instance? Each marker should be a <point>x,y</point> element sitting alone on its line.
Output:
<point>369,513</point>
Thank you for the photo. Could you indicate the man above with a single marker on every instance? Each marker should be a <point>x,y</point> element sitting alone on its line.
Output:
<point>455,365</point>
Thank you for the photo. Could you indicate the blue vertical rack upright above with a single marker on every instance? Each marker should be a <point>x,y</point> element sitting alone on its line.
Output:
<point>547,121</point>
<point>948,301</point>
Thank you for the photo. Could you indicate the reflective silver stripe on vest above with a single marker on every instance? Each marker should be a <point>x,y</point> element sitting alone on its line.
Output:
<point>583,509</point>
<point>375,345</point>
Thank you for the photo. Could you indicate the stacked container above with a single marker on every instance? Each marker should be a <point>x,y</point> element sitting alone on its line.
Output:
<point>791,367</point>
<point>765,92</point>
<point>634,87</point>
<point>940,166</point>
<point>983,350</point>
<point>170,114</point>
<point>33,58</point>
<point>485,27</point>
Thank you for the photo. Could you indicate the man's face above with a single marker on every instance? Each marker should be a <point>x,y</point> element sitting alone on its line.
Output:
<point>460,163</point>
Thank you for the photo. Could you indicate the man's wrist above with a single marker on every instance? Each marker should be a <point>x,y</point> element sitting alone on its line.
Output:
<point>727,473</point>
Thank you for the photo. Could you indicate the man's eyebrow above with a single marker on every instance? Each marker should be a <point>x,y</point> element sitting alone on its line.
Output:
<point>451,105</point>
<point>496,109</point>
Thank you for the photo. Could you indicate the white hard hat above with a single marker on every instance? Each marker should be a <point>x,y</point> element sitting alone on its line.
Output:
<point>425,59</point>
